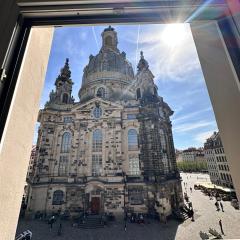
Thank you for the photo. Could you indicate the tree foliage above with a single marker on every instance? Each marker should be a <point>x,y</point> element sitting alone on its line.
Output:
<point>193,166</point>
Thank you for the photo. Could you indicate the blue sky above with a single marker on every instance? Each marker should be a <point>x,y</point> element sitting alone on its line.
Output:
<point>173,60</point>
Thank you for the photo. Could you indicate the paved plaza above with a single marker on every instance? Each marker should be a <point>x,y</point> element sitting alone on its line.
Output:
<point>205,216</point>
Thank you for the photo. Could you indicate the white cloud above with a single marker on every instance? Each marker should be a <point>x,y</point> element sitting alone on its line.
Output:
<point>190,115</point>
<point>176,62</point>
<point>192,126</point>
<point>202,137</point>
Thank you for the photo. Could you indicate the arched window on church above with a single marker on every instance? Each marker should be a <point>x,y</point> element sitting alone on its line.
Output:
<point>101,92</point>
<point>66,142</point>
<point>138,93</point>
<point>57,197</point>
<point>162,140</point>
<point>132,140</point>
<point>65,98</point>
<point>134,168</point>
<point>97,150</point>
<point>97,141</point>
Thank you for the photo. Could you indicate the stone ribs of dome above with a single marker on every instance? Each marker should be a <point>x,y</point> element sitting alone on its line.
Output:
<point>108,64</point>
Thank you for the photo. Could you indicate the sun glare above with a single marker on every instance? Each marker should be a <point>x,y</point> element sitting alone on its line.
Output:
<point>174,34</point>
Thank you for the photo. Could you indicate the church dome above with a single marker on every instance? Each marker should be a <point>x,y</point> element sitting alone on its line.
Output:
<point>109,66</point>
<point>107,60</point>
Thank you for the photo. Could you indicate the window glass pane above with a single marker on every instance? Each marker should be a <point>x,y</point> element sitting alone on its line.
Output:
<point>97,112</point>
<point>96,164</point>
<point>132,140</point>
<point>67,119</point>
<point>101,92</point>
<point>135,195</point>
<point>97,141</point>
<point>134,168</point>
<point>57,197</point>
<point>63,166</point>
<point>131,116</point>
<point>66,142</point>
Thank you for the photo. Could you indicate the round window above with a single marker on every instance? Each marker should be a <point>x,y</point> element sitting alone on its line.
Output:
<point>97,112</point>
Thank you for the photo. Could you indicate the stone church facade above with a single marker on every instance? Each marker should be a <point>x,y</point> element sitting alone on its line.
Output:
<point>113,150</point>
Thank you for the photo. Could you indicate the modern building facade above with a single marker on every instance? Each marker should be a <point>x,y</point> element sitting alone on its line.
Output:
<point>217,161</point>
<point>113,150</point>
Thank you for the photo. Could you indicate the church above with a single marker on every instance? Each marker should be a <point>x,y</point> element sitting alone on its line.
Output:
<point>110,152</point>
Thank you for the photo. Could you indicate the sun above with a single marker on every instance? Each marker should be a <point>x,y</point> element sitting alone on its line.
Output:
<point>174,34</point>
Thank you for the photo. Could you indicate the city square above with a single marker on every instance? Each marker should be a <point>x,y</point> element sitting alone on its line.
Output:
<point>206,217</point>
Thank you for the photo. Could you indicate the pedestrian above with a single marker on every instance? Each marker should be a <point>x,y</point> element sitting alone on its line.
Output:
<point>217,205</point>
<point>60,229</point>
<point>51,221</point>
<point>191,189</point>
<point>192,214</point>
<point>125,226</point>
<point>221,205</point>
<point>220,224</point>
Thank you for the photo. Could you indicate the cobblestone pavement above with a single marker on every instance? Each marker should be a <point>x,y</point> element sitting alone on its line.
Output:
<point>205,216</point>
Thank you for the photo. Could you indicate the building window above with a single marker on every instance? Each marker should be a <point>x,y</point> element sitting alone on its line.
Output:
<point>66,142</point>
<point>163,140</point>
<point>131,116</point>
<point>101,92</point>
<point>63,166</point>
<point>135,195</point>
<point>67,119</point>
<point>65,98</point>
<point>97,141</point>
<point>134,168</point>
<point>96,164</point>
<point>138,93</point>
<point>97,112</point>
<point>132,140</point>
<point>57,198</point>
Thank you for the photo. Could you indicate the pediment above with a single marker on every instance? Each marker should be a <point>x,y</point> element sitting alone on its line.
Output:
<point>87,106</point>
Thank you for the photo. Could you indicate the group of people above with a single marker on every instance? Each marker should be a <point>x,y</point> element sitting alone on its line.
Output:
<point>190,206</point>
<point>51,221</point>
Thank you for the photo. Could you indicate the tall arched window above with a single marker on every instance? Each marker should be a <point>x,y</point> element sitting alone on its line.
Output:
<point>66,142</point>
<point>101,92</point>
<point>138,93</point>
<point>57,198</point>
<point>134,168</point>
<point>97,141</point>
<point>97,150</point>
<point>132,140</point>
<point>162,140</point>
<point>65,98</point>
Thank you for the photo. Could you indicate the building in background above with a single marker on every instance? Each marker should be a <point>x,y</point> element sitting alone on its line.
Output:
<point>111,151</point>
<point>193,155</point>
<point>217,161</point>
<point>179,154</point>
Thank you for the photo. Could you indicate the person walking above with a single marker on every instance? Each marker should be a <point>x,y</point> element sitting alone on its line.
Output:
<point>220,224</point>
<point>192,214</point>
<point>60,229</point>
<point>221,205</point>
<point>191,189</point>
<point>125,226</point>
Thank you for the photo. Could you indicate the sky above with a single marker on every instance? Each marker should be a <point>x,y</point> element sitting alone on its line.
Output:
<point>173,60</point>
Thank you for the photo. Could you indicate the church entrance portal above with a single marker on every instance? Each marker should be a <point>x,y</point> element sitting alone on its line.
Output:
<point>95,205</point>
